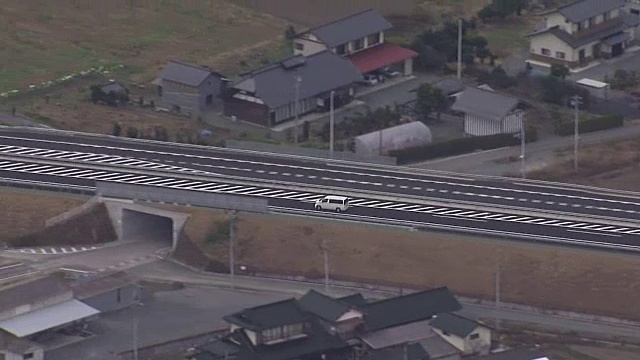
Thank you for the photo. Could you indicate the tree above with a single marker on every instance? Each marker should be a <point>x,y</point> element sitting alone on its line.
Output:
<point>483,53</point>
<point>486,13</point>
<point>559,71</point>
<point>117,129</point>
<point>132,132</point>
<point>429,100</point>
<point>505,8</point>
<point>290,33</point>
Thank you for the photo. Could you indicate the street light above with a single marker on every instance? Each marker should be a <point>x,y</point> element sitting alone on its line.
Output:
<point>576,100</point>
<point>331,122</point>
<point>297,94</point>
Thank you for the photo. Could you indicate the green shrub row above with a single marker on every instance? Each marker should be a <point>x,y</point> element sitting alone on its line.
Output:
<point>460,146</point>
<point>589,125</point>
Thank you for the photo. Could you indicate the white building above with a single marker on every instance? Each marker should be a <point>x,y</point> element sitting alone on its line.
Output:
<point>394,138</point>
<point>576,33</point>
<point>487,112</point>
<point>468,336</point>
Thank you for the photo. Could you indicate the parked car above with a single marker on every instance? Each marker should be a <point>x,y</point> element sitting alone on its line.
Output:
<point>333,203</point>
<point>370,80</point>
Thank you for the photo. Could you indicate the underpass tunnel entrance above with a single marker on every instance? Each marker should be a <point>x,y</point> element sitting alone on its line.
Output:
<point>137,225</point>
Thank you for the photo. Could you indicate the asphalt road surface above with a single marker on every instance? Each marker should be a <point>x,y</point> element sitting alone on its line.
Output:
<point>273,168</point>
<point>364,209</point>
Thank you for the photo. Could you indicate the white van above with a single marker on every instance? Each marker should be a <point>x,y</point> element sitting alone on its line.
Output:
<point>333,203</point>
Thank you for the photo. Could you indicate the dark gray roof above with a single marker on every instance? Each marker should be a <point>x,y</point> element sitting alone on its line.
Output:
<point>409,308</point>
<point>320,73</point>
<point>454,324</point>
<point>350,28</point>
<point>318,341</point>
<point>449,85</point>
<point>413,352</point>
<point>485,103</point>
<point>514,354</point>
<point>356,300</point>
<point>32,292</point>
<point>323,306</point>
<point>582,10</point>
<point>599,32</point>
<point>184,73</point>
<point>112,87</point>
<point>268,316</point>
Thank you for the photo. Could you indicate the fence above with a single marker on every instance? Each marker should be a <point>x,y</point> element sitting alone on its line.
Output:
<point>317,153</point>
<point>45,186</point>
<point>203,199</point>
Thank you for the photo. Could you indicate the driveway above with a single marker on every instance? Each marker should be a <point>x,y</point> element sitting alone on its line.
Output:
<point>629,61</point>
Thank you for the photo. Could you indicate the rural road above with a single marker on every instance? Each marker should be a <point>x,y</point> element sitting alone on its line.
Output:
<point>170,272</point>
<point>537,155</point>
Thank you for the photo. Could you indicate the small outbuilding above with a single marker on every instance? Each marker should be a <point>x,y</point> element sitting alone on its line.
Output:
<point>468,336</point>
<point>394,138</point>
<point>487,112</point>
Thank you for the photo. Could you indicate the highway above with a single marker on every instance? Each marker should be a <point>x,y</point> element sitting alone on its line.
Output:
<point>365,209</point>
<point>454,188</point>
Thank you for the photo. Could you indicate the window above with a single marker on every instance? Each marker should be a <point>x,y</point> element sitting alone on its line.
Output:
<point>27,356</point>
<point>559,54</point>
<point>635,12</point>
<point>605,16</point>
<point>474,336</point>
<point>272,334</point>
<point>160,91</point>
<point>119,295</point>
<point>292,330</point>
<point>299,46</point>
<point>545,51</point>
<point>341,49</point>
<point>592,21</point>
<point>358,44</point>
<point>373,39</point>
<point>579,26</point>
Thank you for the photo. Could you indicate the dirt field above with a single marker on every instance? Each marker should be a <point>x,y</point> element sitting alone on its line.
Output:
<point>43,40</point>
<point>614,165</point>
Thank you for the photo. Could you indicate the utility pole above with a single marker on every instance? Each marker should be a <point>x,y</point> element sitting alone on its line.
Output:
<point>135,323</point>
<point>523,166</point>
<point>576,100</point>
<point>232,255</point>
<point>325,256</point>
<point>331,122</point>
<point>498,290</point>
<point>460,48</point>
<point>297,94</point>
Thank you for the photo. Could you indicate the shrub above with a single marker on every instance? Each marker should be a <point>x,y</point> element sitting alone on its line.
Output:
<point>590,125</point>
<point>460,146</point>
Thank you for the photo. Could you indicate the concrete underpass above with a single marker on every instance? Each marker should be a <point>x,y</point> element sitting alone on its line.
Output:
<point>138,225</point>
<point>135,222</point>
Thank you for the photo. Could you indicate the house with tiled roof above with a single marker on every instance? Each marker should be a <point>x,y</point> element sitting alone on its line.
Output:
<point>468,336</point>
<point>298,85</point>
<point>581,31</point>
<point>360,37</point>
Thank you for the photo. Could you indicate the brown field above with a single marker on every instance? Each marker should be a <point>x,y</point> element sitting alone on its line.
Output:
<point>43,40</point>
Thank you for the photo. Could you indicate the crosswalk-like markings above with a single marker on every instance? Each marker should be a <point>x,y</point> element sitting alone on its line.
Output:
<point>283,194</point>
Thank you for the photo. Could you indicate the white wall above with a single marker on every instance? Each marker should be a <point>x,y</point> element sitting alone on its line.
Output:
<point>478,126</point>
<point>310,46</point>
<point>38,354</point>
<point>551,42</point>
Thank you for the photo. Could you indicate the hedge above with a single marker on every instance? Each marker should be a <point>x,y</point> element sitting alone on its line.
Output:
<point>590,125</point>
<point>460,146</point>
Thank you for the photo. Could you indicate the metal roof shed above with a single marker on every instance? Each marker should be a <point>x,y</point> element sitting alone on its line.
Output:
<point>394,138</point>
<point>47,318</point>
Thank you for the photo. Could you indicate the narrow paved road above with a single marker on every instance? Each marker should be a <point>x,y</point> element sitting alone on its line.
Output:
<point>167,271</point>
<point>537,155</point>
